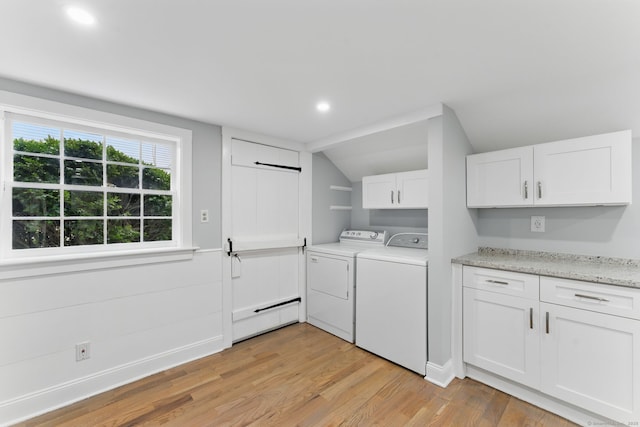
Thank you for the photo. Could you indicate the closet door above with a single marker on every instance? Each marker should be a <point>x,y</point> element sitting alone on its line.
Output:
<point>265,242</point>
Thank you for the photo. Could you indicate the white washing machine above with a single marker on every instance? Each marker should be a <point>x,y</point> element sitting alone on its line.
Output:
<point>331,281</point>
<point>391,308</point>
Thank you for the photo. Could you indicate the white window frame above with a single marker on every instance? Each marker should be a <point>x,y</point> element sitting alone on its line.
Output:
<point>84,118</point>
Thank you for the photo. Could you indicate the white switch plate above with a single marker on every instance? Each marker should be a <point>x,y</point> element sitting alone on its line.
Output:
<point>537,224</point>
<point>204,215</point>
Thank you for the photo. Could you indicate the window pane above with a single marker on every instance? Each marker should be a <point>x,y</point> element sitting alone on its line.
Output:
<point>35,169</point>
<point>77,172</point>
<point>123,150</point>
<point>157,205</point>
<point>36,234</point>
<point>123,204</point>
<point>123,230</point>
<point>83,232</point>
<point>82,144</point>
<point>123,176</point>
<point>156,179</point>
<point>158,155</point>
<point>35,202</point>
<point>157,229</point>
<point>83,203</point>
<point>35,138</point>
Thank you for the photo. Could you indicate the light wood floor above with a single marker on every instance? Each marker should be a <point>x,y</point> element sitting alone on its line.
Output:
<point>298,375</point>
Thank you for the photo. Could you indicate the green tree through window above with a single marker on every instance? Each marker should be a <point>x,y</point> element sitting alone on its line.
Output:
<point>93,200</point>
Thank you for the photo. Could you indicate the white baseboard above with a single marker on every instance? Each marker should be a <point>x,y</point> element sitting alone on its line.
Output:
<point>42,401</point>
<point>440,375</point>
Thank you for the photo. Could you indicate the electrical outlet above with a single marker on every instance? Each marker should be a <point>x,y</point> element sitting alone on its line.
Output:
<point>537,224</point>
<point>82,351</point>
<point>204,215</point>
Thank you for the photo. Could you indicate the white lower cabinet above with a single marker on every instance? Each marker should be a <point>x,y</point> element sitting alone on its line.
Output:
<point>501,335</point>
<point>566,344</point>
<point>591,360</point>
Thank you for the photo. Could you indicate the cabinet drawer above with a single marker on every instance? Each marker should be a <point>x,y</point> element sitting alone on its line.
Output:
<point>504,282</point>
<point>607,299</point>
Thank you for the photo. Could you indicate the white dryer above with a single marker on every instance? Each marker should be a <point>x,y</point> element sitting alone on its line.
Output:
<point>331,281</point>
<point>391,308</point>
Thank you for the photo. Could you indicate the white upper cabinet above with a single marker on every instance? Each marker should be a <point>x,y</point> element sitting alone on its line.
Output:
<point>594,170</point>
<point>500,178</point>
<point>403,190</point>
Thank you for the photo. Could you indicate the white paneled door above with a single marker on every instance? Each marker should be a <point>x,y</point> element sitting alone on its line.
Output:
<point>264,242</point>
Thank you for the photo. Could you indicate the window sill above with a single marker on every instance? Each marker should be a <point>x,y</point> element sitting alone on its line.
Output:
<point>42,266</point>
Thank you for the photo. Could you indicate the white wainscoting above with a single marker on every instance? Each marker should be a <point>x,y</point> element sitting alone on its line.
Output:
<point>138,319</point>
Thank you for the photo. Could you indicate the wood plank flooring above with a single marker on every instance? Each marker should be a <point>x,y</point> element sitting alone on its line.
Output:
<point>298,375</point>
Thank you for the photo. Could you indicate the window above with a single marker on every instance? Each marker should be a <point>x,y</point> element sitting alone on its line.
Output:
<point>74,187</point>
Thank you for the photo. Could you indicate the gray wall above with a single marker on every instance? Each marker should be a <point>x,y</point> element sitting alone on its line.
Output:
<point>452,226</point>
<point>207,152</point>
<point>392,220</point>
<point>600,230</point>
<point>327,224</point>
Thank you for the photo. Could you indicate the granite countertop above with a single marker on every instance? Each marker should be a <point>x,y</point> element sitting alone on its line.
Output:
<point>611,271</point>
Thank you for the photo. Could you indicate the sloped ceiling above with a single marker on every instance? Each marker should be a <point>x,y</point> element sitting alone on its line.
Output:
<point>399,149</point>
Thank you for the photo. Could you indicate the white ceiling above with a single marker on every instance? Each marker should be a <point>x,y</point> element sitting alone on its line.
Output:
<point>516,72</point>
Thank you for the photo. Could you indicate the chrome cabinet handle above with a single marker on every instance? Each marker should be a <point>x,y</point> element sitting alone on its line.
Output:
<point>590,297</point>
<point>391,196</point>
<point>539,190</point>
<point>497,282</point>
<point>547,321</point>
<point>398,196</point>
<point>526,190</point>
<point>530,317</point>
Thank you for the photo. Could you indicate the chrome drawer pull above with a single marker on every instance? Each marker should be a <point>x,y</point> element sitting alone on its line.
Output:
<point>497,282</point>
<point>593,298</point>
<point>530,317</point>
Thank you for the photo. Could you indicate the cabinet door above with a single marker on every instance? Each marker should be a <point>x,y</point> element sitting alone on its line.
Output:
<point>412,189</point>
<point>584,171</point>
<point>501,335</point>
<point>379,191</point>
<point>591,360</point>
<point>500,179</point>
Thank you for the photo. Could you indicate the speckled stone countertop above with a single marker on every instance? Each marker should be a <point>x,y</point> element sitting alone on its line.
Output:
<point>611,271</point>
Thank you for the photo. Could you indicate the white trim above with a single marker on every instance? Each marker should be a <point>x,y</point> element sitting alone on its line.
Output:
<point>245,135</point>
<point>51,110</point>
<point>339,188</point>
<point>21,408</point>
<point>548,403</point>
<point>416,116</point>
<point>30,267</point>
<point>440,375</point>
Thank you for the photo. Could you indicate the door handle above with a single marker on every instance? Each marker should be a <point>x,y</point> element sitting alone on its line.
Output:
<point>539,190</point>
<point>526,190</point>
<point>314,259</point>
<point>547,321</point>
<point>391,196</point>
<point>497,282</point>
<point>530,317</point>
<point>398,196</point>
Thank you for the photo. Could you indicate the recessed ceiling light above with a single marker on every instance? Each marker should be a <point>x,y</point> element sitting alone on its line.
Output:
<point>323,107</point>
<point>80,16</point>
